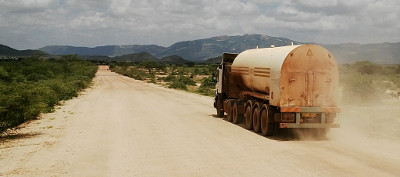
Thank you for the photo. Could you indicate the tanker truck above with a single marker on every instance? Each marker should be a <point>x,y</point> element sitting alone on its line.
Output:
<point>292,86</point>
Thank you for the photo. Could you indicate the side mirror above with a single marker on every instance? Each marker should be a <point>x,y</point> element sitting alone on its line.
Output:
<point>214,76</point>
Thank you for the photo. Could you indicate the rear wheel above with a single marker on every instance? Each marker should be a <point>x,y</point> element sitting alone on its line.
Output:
<point>267,126</point>
<point>219,106</point>
<point>229,111</point>
<point>248,116</point>
<point>220,113</point>
<point>256,117</point>
<point>236,115</point>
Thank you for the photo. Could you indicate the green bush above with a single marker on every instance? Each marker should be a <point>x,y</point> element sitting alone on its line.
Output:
<point>366,67</point>
<point>170,78</point>
<point>3,74</point>
<point>179,75</point>
<point>359,88</point>
<point>207,86</point>
<point>32,85</point>
<point>176,84</point>
<point>366,83</point>
<point>186,80</point>
<point>181,82</point>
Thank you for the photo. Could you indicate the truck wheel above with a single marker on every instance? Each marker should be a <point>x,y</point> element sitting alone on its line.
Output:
<point>256,117</point>
<point>267,127</point>
<point>229,111</point>
<point>248,116</point>
<point>220,113</point>
<point>219,106</point>
<point>236,115</point>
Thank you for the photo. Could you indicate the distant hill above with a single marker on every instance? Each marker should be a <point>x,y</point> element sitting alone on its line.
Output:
<point>214,60</point>
<point>174,59</point>
<point>197,50</point>
<point>204,49</point>
<point>383,53</point>
<point>109,50</point>
<point>96,58</point>
<point>141,56</point>
<point>8,51</point>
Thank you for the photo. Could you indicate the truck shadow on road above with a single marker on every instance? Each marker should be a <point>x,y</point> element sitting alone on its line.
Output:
<point>283,134</point>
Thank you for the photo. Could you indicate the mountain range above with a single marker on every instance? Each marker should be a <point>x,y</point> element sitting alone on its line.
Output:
<point>203,49</point>
<point>383,53</point>
<point>196,50</point>
<point>8,51</point>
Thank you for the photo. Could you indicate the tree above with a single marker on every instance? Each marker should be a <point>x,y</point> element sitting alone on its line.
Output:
<point>149,65</point>
<point>366,67</point>
<point>3,73</point>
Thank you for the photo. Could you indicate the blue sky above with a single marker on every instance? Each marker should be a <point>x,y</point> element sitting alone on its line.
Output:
<point>31,24</point>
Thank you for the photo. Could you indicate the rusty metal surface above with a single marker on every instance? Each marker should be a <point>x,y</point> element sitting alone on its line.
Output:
<point>308,125</point>
<point>309,78</point>
<point>258,70</point>
<point>310,109</point>
<point>256,95</point>
<point>291,76</point>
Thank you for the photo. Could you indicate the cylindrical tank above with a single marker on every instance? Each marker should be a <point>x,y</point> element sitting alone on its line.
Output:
<point>297,75</point>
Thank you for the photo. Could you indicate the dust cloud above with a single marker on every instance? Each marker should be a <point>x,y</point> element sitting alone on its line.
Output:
<point>367,121</point>
<point>370,126</point>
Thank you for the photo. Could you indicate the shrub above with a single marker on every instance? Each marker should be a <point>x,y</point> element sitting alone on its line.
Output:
<point>207,86</point>
<point>176,84</point>
<point>366,83</point>
<point>366,67</point>
<point>3,74</point>
<point>169,78</point>
<point>186,80</point>
<point>34,85</point>
<point>358,88</point>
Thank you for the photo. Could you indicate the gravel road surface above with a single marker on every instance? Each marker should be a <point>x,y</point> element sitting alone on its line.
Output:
<point>124,127</point>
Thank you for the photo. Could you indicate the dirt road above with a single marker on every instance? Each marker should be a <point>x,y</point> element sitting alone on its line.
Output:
<point>123,127</point>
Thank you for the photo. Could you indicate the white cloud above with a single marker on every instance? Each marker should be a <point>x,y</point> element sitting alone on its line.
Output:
<point>94,21</point>
<point>26,6</point>
<point>119,7</point>
<point>164,22</point>
<point>319,3</point>
<point>87,5</point>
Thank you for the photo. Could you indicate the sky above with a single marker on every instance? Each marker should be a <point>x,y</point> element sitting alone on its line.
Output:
<point>31,24</point>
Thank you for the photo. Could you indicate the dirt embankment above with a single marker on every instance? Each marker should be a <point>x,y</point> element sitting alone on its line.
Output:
<point>123,127</point>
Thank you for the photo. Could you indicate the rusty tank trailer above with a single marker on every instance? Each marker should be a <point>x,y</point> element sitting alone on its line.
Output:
<point>287,87</point>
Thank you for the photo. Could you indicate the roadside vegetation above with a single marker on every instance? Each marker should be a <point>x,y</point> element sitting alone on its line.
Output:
<point>360,82</point>
<point>190,77</point>
<point>365,82</point>
<point>32,85</point>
